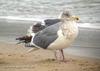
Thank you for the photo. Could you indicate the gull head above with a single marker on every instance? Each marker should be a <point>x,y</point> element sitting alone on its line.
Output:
<point>67,16</point>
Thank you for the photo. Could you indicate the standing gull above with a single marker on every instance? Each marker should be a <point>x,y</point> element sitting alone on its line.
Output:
<point>58,36</point>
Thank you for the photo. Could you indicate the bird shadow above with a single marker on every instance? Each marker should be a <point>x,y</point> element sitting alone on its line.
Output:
<point>47,61</point>
<point>50,61</point>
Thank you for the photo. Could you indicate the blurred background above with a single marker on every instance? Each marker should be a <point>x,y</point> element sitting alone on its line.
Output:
<point>17,15</point>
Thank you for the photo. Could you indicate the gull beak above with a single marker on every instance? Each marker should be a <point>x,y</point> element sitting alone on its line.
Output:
<point>75,18</point>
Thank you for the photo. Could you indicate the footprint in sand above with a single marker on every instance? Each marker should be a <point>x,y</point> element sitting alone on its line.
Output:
<point>9,55</point>
<point>1,53</point>
<point>21,55</point>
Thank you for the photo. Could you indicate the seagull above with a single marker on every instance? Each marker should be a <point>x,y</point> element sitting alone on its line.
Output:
<point>57,36</point>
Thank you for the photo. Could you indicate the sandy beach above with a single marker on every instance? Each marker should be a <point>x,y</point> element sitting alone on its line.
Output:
<point>16,16</point>
<point>14,58</point>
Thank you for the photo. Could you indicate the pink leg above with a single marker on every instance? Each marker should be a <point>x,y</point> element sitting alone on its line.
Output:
<point>59,55</point>
<point>62,53</point>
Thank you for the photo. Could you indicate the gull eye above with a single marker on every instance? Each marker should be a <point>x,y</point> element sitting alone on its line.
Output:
<point>77,18</point>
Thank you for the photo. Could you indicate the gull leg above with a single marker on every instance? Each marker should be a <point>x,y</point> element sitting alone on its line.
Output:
<point>62,55</point>
<point>59,55</point>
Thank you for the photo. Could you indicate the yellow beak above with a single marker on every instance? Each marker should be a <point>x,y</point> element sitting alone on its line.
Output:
<point>75,18</point>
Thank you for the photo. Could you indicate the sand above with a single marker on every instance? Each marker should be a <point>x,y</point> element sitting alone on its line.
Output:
<point>15,58</point>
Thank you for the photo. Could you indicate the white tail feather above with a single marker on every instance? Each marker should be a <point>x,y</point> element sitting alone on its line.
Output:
<point>32,49</point>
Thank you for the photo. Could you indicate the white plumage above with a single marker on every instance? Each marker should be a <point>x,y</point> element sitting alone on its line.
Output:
<point>56,36</point>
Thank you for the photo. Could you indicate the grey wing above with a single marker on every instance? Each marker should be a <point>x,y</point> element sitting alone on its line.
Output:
<point>49,22</point>
<point>45,37</point>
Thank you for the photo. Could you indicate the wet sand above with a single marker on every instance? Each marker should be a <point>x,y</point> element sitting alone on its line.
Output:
<point>14,58</point>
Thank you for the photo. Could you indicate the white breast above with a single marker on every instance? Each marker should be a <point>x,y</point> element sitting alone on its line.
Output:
<point>64,41</point>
